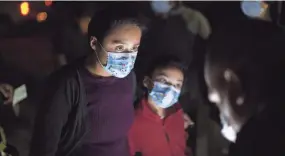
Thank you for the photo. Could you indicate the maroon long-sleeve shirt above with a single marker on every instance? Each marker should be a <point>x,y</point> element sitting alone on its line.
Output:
<point>110,115</point>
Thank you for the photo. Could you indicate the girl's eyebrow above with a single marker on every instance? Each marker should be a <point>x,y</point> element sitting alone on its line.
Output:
<point>163,74</point>
<point>118,42</point>
<point>123,42</point>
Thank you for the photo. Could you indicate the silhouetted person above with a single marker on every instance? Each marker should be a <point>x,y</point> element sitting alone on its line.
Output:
<point>244,72</point>
<point>6,97</point>
<point>71,41</point>
<point>173,29</point>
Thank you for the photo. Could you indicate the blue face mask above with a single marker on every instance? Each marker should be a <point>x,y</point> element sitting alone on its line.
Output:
<point>252,8</point>
<point>119,64</point>
<point>160,6</point>
<point>164,96</point>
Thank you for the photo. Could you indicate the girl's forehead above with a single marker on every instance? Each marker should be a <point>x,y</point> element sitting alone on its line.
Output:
<point>125,33</point>
<point>170,72</point>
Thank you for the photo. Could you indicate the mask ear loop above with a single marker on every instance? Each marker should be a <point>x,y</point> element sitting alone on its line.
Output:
<point>98,56</point>
<point>103,48</point>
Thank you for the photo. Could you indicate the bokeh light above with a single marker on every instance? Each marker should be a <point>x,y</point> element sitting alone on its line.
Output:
<point>48,2</point>
<point>42,16</point>
<point>83,23</point>
<point>25,8</point>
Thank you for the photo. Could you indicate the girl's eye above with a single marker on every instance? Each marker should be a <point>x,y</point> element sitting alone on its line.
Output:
<point>161,80</point>
<point>178,86</point>
<point>135,49</point>
<point>119,48</point>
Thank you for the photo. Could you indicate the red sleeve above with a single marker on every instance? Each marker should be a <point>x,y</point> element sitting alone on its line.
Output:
<point>132,142</point>
<point>188,151</point>
<point>186,136</point>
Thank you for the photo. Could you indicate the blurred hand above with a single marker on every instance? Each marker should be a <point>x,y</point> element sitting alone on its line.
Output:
<point>187,121</point>
<point>8,92</point>
<point>61,60</point>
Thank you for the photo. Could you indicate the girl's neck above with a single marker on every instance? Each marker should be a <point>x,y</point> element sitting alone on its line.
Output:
<point>157,110</point>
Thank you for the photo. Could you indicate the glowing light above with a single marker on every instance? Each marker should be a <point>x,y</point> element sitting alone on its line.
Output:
<point>83,23</point>
<point>25,8</point>
<point>42,16</point>
<point>48,2</point>
<point>254,9</point>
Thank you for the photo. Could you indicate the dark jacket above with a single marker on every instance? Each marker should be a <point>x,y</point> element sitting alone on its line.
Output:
<point>64,108</point>
<point>66,114</point>
<point>263,135</point>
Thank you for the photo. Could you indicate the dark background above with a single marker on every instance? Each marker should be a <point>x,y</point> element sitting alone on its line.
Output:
<point>28,53</point>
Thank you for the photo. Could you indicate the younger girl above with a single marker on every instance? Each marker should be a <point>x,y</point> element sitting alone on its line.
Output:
<point>158,129</point>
